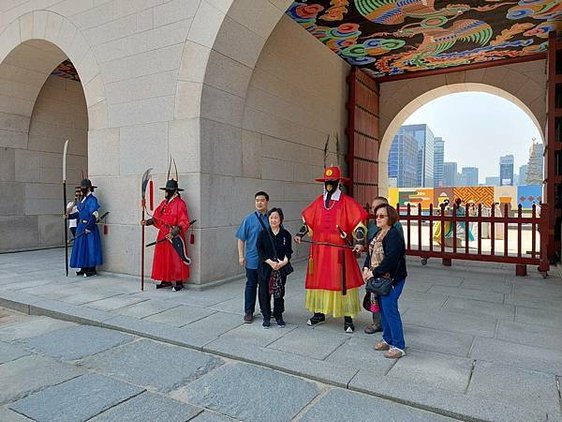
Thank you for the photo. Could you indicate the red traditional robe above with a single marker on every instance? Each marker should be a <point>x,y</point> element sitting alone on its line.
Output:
<point>167,265</point>
<point>325,266</point>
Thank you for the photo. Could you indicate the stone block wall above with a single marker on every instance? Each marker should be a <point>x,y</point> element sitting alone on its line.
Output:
<point>31,171</point>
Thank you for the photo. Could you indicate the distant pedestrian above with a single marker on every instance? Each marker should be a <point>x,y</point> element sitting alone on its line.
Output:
<point>386,258</point>
<point>274,248</point>
<point>72,211</point>
<point>372,230</point>
<point>171,218</point>
<point>248,257</point>
<point>86,250</point>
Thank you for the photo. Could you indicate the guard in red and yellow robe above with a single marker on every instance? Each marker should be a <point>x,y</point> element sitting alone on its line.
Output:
<point>171,218</point>
<point>333,278</point>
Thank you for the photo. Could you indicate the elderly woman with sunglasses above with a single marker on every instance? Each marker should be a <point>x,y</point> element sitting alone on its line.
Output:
<point>386,258</point>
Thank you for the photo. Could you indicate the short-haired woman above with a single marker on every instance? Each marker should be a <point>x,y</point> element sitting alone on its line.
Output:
<point>386,258</point>
<point>274,249</point>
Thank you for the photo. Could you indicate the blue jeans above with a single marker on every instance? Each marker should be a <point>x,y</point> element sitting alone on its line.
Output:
<point>392,330</point>
<point>250,293</point>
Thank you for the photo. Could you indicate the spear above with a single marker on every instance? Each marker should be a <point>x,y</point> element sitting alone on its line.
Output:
<point>64,204</point>
<point>144,183</point>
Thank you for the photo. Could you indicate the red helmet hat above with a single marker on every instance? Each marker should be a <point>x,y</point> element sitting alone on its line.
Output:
<point>333,173</point>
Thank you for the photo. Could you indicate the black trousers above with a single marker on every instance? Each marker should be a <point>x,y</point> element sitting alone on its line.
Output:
<point>265,299</point>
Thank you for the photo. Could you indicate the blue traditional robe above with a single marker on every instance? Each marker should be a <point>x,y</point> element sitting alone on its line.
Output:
<point>86,251</point>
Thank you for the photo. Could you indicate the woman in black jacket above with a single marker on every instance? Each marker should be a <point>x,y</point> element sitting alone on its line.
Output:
<point>386,258</point>
<point>274,249</point>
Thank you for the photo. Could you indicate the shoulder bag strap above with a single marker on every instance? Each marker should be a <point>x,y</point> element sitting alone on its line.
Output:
<point>269,235</point>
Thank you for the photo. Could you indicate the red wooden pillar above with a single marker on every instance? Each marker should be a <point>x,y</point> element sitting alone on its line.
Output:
<point>363,134</point>
<point>553,150</point>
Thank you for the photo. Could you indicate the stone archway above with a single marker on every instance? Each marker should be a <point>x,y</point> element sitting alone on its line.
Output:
<point>32,47</point>
<point>522,84</point>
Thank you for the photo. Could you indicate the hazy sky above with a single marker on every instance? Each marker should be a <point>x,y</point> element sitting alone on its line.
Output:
<point>478,128</point>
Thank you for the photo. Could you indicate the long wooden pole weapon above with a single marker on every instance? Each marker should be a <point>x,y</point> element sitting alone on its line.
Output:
<point>314,242</point>
<point>64,204</point>
<point>144,183</point>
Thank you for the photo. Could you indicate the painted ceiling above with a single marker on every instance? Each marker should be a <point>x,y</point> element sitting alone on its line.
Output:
<point>66,70</point>
<point>394,37</point>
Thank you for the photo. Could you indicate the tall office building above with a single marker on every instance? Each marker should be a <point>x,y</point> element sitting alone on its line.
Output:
<point>425,139</point>
<point>438,159</point>
<point>535,165</point>
<point>469,176</point>
<point>506,170</point>
<point>402,161</point>
<point>492,181</point>
<point>450,174</point>
<point>523,174</point>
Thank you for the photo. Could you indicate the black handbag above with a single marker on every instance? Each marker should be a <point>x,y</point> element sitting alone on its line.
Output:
<point>286,269</point>
<point>381,286</point>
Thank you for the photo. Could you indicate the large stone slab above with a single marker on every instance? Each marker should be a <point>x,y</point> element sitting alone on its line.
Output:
<point>432,369</point>
<point>9,352</point>
<point>231,390</point>
<point>518,355</point>
<point>208,416</point>
<point>539,316</point>
<point>148,407</point>
<point>31,328</point>
<point>483,295</point>
<point>308,341</point>
<point>75,400</point>
<point>517,332</point>
<point>146,308</point>
<point>344,405</point>
<point>449,321</point>
<point>154,365</point>
<point>319,370</point>
<point>77,342</point>
<point>530,389</point>
<point>480,308</point>
<point>116,302</point>
<point>430,339</point>
<point>208,329</point>
<point>7,415</point>
<point>31,373</point>
<point>449,403</point>
<point>181,315</point>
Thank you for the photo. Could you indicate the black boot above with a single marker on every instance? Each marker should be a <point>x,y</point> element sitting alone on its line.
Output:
<point>348,324</point>
<point>316,319</point>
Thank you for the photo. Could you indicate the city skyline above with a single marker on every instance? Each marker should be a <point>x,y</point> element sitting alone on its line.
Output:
<point>452,118</point>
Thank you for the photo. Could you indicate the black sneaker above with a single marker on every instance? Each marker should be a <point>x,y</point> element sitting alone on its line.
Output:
<point>266,323</point>
<point>81,272</point>
<point>90,273</point>
<point>177,287</point>
<point>163,285</point>
<point>280,322</point>
<point>348,325</point>
<point>317,318</point>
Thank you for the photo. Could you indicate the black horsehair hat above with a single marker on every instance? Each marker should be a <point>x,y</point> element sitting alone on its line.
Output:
<point>172,185</point>
<point>85,183</point>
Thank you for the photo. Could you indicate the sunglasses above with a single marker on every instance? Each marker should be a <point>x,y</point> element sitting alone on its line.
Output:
<point>381,216</point>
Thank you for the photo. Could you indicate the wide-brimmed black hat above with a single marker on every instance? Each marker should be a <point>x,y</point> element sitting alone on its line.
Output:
<point>172,185</point>
<point>86,183</point>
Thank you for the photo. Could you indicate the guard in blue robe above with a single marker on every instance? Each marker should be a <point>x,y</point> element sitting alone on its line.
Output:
<point>86,251</point>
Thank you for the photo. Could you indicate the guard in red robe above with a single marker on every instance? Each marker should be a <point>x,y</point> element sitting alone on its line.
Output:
<point>172,221</point>
<point>336,223</point>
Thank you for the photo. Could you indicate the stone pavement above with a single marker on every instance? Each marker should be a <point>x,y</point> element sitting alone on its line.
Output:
<point>482,345</point>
